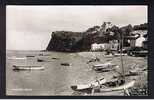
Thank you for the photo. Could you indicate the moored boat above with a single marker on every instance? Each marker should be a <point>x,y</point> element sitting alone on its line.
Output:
<point>28,67</point>
<point>17,58</point>
<point>105,67</point>
<point>65,64</point>
<point>90,86</point>
<point>118,88</point>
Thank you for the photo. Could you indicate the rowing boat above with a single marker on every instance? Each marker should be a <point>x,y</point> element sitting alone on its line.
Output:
<point>88,86</point>
<point>17,58</point>
<point>105,67</point>
<point>28,67</point>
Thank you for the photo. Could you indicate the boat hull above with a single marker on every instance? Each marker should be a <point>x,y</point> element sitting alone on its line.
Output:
<point>17,68</point>
<point>118,88</point>
<point>88,86</point>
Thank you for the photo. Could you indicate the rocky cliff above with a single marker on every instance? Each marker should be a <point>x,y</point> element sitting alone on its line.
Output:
<point>67,41</point>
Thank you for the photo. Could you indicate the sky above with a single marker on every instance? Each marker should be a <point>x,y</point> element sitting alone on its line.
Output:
<point>30,27</point>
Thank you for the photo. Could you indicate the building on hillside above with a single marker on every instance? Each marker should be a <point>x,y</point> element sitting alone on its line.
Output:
<point>137,39</point>
<point>113,45</point>
<point>132,40</point>
<point>98,47</point>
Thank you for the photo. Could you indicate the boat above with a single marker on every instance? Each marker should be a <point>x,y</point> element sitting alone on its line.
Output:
<point>65,64</point>
<point>117,54</point>
<point>104,86</point>
<point>114,82</point>
<point>105,67</point>
<point>90,86</point>
<point>40,60</point>
<point>134,72</point>
<point>126,75</point>
<point>43,54</point>
<point>55,58</point>
<point>17,58</point>
<point>28,67</point>
<point>30,56</point>
<point>107,64</point>
<point>115,85</point>
<point>118,88</point>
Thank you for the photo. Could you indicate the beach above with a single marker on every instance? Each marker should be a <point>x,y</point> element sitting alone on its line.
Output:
<point>56,79</point>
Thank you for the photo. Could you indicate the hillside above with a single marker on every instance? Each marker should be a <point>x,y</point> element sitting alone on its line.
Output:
<point>67,41</point>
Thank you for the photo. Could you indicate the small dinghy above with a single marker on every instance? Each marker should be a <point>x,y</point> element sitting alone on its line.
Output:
<point>17,58</point>
<point>40,60</point>
<point>65,64</point>
<point>29,56</point>
<point>88,86</point>
<point>117,54</point>
<point>55,58</point>
<point>105,67</point>
<point>17,68</point>
<point>107,64</point>
<point>134,72</point>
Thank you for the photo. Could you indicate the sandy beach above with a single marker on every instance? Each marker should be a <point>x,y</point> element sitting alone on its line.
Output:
<point>56,79</point>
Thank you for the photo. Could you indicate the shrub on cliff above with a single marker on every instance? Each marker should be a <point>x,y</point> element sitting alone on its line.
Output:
<point>141,27</point>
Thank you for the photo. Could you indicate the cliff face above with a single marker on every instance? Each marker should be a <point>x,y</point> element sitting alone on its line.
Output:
<point>67,41</point>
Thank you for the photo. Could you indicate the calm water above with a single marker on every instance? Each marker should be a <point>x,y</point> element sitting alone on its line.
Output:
<point>54,80</point>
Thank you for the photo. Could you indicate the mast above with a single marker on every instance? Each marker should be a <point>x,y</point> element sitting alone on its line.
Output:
<point>121,58</point>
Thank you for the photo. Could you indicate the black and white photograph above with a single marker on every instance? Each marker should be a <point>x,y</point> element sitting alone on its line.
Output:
<point>88,50</point>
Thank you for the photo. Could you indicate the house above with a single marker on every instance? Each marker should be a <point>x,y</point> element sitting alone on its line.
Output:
<point>112,45</point>
<point>97,47</point>
<point>132,40</point>
<point>139,41</point>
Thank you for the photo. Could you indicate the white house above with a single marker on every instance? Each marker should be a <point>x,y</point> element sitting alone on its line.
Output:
<point>112,45</point>
<point>96,47</point>
<point>139,41</point>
